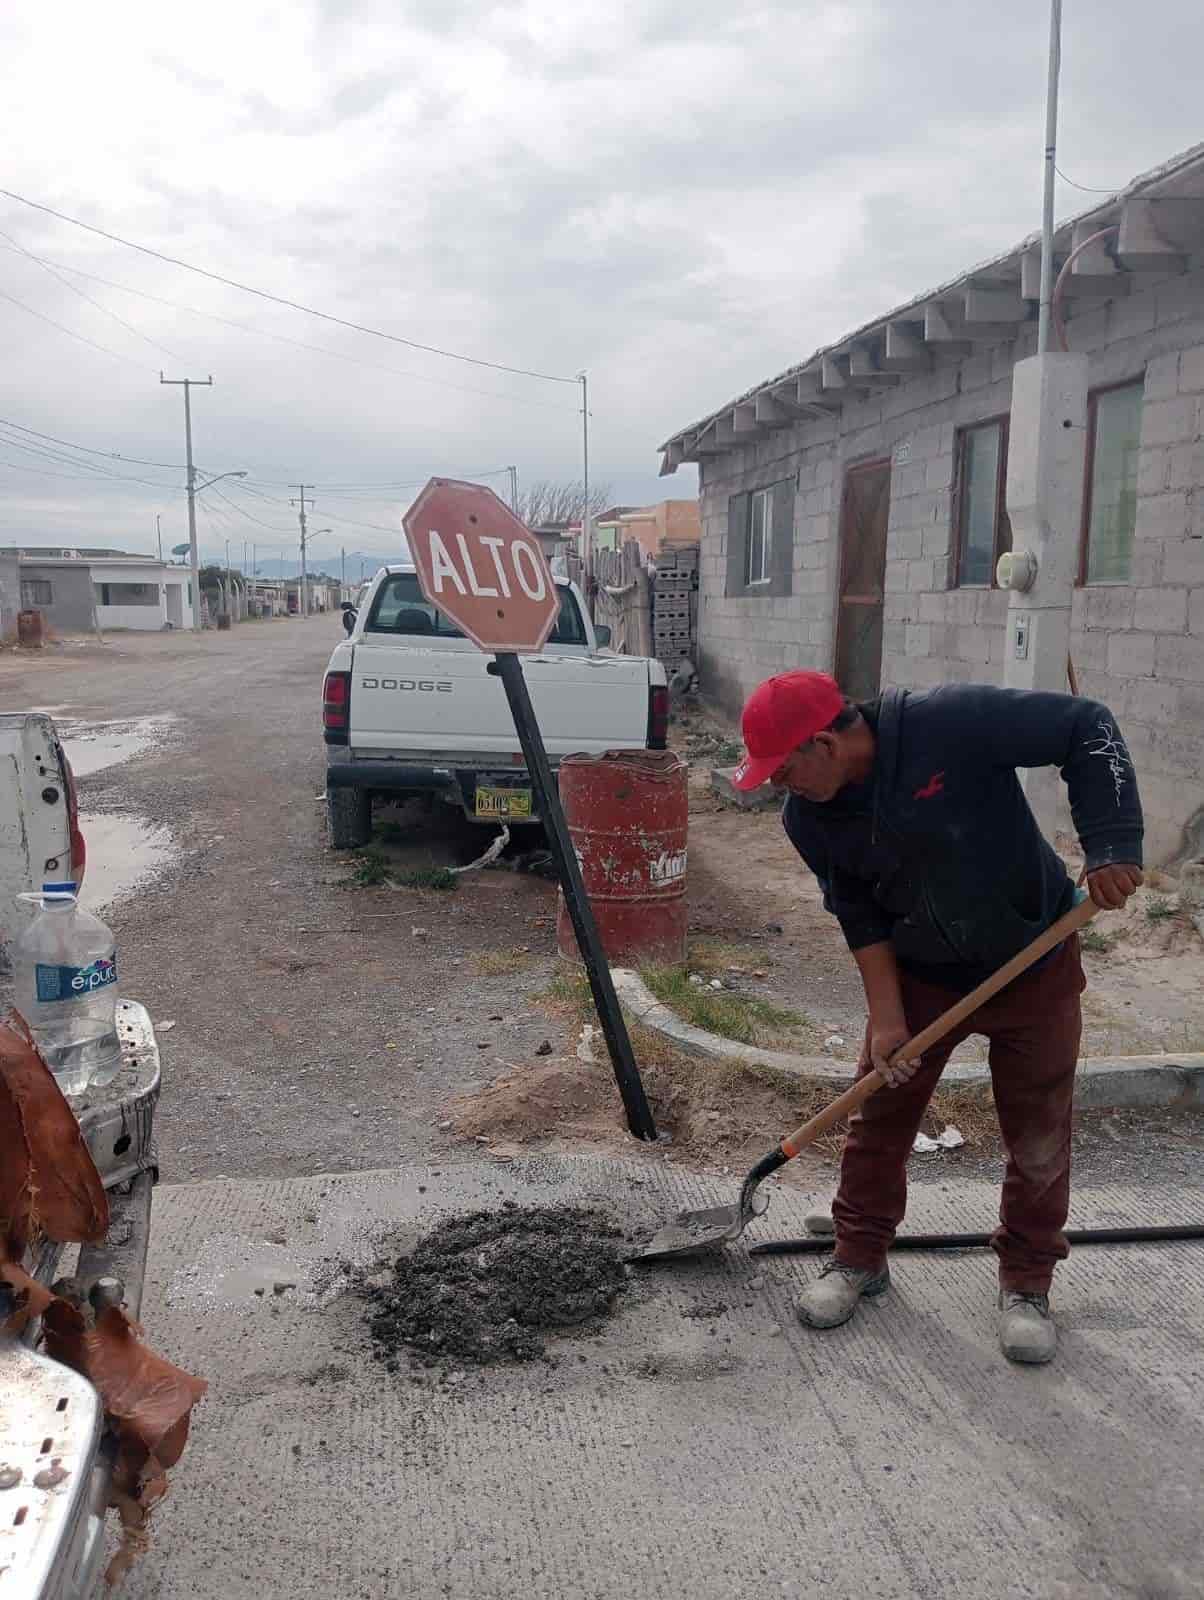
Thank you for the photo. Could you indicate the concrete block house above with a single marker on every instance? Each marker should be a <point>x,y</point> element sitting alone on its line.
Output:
<point>853,507</point>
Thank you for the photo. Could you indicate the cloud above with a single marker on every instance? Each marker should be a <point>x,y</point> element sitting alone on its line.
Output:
<point>681,198</point>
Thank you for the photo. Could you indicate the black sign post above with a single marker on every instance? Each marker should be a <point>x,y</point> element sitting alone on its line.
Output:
<point>509,668</point>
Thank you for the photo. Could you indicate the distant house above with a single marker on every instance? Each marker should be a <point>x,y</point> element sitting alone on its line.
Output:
<point>80,590</point>
<point>853,506</point>
<point>607,526</point>
<point>557,538</point>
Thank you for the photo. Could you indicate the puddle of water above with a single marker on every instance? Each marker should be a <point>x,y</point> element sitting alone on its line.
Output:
<point>93,746</point>
<point>123,851</point>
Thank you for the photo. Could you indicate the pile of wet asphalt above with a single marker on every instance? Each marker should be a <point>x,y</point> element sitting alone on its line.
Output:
<point>487,1287</point>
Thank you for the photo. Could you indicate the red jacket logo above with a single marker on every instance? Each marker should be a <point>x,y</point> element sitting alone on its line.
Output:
<point>934,786</point>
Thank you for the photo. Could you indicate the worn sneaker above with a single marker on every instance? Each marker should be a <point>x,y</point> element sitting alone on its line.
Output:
<point>1027,1331</point>
<point>832,1298</point>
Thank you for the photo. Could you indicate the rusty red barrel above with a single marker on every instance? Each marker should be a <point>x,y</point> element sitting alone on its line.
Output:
<point>627,815</point>
<point>31,629</point>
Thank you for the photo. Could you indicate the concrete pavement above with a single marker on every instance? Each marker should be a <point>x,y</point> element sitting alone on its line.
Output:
<point>703,1444</point>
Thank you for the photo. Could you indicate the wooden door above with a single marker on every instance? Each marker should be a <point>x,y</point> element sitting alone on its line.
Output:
<point>864,513</point>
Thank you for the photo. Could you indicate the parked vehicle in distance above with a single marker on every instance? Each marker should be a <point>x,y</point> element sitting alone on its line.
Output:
<point>410,707</point>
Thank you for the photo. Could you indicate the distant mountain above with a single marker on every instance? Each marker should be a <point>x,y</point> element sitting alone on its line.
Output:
<point>269,565</point>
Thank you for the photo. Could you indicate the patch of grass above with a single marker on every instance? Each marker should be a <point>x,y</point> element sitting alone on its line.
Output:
<point>732,1016</point>
<point>502,963</point>
<point>1097,942</point>
<point>371,870</point>
<point>570,991</point>
<point>1159,910</point>
<point>427,878</point>
<point>711,958</point>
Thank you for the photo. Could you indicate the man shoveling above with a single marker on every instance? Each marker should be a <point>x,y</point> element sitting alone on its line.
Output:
<point>909,813</point>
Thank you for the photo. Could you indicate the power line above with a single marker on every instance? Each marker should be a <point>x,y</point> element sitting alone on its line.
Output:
<point>298,344</point>
<point>92,472</point>
<point>281,300</point>
<point>250,516</point>
<point>1084,187</point>
<point>75,289</point>
<point>111,455</point>
<point>71,334</point>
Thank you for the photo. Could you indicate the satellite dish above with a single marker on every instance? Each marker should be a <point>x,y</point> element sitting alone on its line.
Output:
<point>180,549</point>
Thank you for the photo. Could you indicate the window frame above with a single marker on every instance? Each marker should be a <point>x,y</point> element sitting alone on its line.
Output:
<point>1093,398</point>
<point>30,602</point>
<point>566,604</point>
<point>765,496</point>
<point>960,484</point>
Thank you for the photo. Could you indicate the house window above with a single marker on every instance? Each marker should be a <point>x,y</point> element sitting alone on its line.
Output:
<point>760,541</point>
<point>36,592</point>
<point>127,594</point>
<point>760,537</point>
<point>1113,442</point>
<point>983,530</point>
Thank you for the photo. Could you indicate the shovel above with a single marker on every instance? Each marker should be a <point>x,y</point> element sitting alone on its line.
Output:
<point>691,1232</point>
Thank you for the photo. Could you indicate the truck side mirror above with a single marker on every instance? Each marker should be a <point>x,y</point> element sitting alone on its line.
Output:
<point>349,618</point>
<point>603,635</point>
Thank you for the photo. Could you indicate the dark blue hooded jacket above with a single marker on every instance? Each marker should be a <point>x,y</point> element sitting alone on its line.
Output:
<point>938,851</point>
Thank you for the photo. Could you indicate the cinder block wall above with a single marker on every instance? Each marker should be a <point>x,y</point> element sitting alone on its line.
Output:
<point>1137,646</point>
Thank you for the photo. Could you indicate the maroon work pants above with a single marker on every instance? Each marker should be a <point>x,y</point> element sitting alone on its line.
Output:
<point>1033,1027</point>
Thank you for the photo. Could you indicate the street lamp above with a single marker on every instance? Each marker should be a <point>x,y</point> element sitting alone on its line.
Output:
<point>194,558</point>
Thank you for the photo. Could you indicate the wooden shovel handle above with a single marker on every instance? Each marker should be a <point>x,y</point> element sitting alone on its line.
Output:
<point>1077,917</point>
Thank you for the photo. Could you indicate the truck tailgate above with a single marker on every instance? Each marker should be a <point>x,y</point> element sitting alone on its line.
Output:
<point>443,698</point>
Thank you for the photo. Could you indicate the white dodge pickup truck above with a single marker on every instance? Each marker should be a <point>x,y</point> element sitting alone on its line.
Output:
<point>410,707</point>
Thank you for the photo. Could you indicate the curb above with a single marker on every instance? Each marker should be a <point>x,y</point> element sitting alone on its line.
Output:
<point>1103,1081</point>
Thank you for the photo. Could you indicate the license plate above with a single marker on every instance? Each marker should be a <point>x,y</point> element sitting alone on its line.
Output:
<point>504,803</point>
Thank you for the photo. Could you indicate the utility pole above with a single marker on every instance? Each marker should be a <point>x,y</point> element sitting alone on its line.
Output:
<point>1047,438</point>
<point>300,502</point>
<point>193,557</point>
<point>1051,160</point>
<point>513,471</point>
<point>587,563</point>
<point>342,570</point>
<point>254,570</point>
<point>159,534</point>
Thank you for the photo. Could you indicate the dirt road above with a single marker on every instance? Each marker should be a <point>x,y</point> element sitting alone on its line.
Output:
<point>315,1028</point>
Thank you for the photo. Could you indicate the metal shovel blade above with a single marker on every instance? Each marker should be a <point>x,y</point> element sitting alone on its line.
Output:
<point>692,1232</point>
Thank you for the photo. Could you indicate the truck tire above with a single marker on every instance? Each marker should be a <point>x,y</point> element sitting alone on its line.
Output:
<point>349,812</point>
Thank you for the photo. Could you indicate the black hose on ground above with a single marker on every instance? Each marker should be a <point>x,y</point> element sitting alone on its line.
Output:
<point>979,1241</point>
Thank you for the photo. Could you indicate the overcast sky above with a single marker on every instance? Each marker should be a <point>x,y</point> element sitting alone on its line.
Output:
<point>681,196</point>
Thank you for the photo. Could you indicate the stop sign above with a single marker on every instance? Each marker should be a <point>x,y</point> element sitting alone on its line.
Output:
<point>481,566</point>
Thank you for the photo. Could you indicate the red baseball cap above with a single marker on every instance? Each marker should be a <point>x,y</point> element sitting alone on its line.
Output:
<point>781,714</point>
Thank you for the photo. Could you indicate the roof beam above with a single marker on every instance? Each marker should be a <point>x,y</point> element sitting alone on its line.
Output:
<point>947,330</point>
<point>769,413</point>
<point>785,397</point>
<point>725,430</point>
<point>744,419</point>
<point>810,390</point>
<point>1142,246</point>
<point>994,305</point>
<point>904,351</point>
<point>707,441</point>
<point>834,372</point>
<point>863,364</point>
